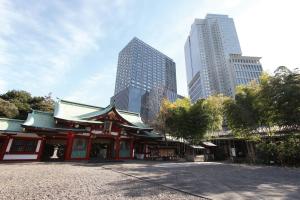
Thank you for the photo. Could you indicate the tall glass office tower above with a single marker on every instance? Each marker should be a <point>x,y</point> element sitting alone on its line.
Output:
<point>211,44</point>
<point>144,77</point>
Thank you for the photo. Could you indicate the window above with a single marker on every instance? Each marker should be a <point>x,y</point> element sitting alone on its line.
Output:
<point>79,148</point>
<point>124,149</point>
<point>23,146</point>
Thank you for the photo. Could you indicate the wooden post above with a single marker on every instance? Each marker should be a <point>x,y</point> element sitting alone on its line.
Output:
<point>41,150</point>
<point>144,150</point>
<point>131,149</point>
<point>69,146</point>
<point>117,152</point>
<point>89,147</point>
<point>3,150</point>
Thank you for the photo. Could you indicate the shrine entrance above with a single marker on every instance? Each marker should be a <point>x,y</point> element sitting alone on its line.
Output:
<point>102,149</point>
<point>54,149</point>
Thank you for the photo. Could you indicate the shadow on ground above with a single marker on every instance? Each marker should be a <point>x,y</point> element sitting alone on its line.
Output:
<point>213,180</point>
<point>216,180</point>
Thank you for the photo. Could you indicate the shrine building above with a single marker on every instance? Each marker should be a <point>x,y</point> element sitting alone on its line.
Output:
<point>76,131</point>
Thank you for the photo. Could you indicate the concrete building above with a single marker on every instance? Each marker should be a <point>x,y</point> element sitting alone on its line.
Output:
<point>141,70</point>
<point>244,69</point>
<point>208,51</point>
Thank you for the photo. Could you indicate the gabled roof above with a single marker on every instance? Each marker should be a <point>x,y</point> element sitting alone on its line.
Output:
<point>40,119</point>
<point>45,121</point>
<point>72,111</point>
<point>133,118</point>
<point>10,125</point>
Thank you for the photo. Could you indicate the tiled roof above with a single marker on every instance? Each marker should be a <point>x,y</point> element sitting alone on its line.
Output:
<point>68,109</point>
<point>40,119</point>
<point>43,120</point>
<point>73,111</point>
<point>10,125</point>
<point>148,134</point>
<point>133,118</point>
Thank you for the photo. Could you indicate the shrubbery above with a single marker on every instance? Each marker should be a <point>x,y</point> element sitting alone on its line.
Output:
<point>284,152</point>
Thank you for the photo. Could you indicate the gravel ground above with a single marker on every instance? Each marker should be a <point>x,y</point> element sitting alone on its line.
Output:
<point>219,180</point>
<point>146,180</point>
<point>75,181</point>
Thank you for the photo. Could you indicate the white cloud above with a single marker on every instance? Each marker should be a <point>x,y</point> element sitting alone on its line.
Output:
<point>43,44</point>
<point>265,28</point>
<point>96,89</point>
<point>48,40</point>
<point>270,29</point>
<point>2,86</point>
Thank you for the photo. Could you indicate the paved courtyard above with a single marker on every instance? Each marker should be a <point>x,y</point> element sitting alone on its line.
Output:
<point>146,180</point>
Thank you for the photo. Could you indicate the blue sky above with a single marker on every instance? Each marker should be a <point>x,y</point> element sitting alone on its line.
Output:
<point>70,48</point>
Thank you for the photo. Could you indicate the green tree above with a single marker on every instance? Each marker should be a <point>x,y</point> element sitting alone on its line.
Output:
<point>275,102</point>
<point>264,104</point>
<point>188,122</point>
<point>45,103</point>
<point>21,99</point>
<point>214,106</point>
<point>25,102</point>
<point>8,109</point>
<point>160,122</point>
<point>285,98</point>
<point>242,113</point>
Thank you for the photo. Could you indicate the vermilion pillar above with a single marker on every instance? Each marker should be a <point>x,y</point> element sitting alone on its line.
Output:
<point>117,153</point>
<point>3,150</point>
<point>89,147</point>
<point>41,150</point>
<point>70,138</point>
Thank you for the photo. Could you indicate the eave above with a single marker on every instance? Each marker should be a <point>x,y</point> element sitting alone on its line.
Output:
<point>48,129</point>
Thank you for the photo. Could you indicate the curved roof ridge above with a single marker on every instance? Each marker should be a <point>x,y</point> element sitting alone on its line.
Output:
<point>81,104</point>
<point>42,112</point>
<point>125,111</point>
<point>10,119</point>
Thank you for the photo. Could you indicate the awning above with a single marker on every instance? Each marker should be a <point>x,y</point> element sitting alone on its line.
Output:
<point>209,144</point>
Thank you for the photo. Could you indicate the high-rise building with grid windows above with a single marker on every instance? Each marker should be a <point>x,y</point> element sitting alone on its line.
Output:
<point>209,51</point>
<point>142,72</point>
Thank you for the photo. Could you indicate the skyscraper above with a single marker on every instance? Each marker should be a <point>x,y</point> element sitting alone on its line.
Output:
<point>212,43</point>
<point>142,73</point>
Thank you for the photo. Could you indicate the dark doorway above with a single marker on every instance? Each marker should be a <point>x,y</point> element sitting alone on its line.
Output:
<point>54,150</point>
<point>102,149</point>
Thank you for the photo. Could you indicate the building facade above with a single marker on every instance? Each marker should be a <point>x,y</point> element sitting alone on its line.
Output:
<point>208,51</point>
<point>244,69</point>
<point>141,70</point>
